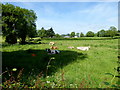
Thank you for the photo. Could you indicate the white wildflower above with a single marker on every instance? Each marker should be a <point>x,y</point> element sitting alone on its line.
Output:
<point>47,76</point>
<point>48,81</point>
<point>14,69</point>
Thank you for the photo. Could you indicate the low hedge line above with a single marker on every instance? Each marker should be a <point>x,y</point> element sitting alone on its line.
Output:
<point>80,38</point>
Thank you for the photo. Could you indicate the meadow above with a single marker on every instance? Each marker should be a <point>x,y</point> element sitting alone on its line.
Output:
<point>71,68</point>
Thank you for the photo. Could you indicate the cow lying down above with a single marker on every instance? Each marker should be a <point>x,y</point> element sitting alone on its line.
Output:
<point>52,51</point>
<point>51,43</point>
<point>84,48</point>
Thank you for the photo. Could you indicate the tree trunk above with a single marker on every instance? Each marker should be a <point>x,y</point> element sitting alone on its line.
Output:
<point>23,40</point>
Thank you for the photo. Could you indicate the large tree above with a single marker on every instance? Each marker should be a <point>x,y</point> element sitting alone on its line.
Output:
<point>8,27</point>
<point>17,22</point>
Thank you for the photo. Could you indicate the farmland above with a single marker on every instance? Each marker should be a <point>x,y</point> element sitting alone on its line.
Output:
<point>74,68</point>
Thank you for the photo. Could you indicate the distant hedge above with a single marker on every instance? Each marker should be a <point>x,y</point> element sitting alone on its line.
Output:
<point>80,38</point>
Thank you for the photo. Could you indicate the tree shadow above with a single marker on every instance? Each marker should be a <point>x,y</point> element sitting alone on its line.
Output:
<point>36,61</point>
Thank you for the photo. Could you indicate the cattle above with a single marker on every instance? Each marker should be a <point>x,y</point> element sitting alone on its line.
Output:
<point>51,43</point>
<point>71,47</point>
<point>54,47</point>
<point>52,51</point>
<point>83,48</point>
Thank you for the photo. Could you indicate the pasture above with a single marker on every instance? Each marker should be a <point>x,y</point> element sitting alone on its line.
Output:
<point>71,68</point>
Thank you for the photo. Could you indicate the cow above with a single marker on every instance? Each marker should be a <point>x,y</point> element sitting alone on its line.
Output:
<point>83,48</point>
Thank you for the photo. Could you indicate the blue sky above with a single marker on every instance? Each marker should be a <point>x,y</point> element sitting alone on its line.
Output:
<point>65,17</point>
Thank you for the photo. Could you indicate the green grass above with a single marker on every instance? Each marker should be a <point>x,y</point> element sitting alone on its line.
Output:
<point>81,68</point>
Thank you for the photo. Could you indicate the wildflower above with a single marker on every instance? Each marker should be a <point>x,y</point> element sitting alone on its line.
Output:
<point>14,69</point>
<point>48,81</point>
<point>71,84</point>
<point>33,54</point>
<point>47,76</point>
<point>33,80</point>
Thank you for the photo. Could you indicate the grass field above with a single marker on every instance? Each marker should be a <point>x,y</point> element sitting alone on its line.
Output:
<point>71,68</point>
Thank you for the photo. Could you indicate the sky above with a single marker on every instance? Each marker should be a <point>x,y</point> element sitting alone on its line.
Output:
<point>67,17</point>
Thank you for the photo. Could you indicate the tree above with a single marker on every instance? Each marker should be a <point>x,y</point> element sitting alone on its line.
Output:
<point>118,33</point>
<point>57,35</point>
<point>28,22</point>
<point>50,32</point>
<point>8,19</point>
<point>113,31</point>
<point>77,34</point>
<point>72,34</point>
<point>42,33</point>
<point>68,34</point>
<point>90,34</point>
<point>101,33</point>
<point>17,22</point>
<point>81,34</point>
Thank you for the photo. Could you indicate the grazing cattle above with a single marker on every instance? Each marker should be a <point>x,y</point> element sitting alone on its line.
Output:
<point>52,51</point>
<point>51,43</point>
<point>71,47</point>
<point>54,47</point>
<point>84,48</point>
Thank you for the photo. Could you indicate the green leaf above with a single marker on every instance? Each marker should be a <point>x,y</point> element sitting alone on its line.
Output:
<point>106,83</point>
<point>49,66</point>
<point>118,82</point>
<point>113,86</point>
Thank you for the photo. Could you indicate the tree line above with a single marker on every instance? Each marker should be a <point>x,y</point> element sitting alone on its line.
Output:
<point>111,32</point>
<point>45,33</point>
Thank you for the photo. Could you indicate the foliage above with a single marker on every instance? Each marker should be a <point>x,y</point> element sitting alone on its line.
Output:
<point>101,33</point>
<point>50,32</point>
<point>90,34</point>
<point>72,34</point>
<point>57,36</point>
<point>80,38</point>
<point>11,38</point>
<point>115,75</point>
<point>108,33</point>
<point>14,19</point>
<point>81,34</point>
<point>42,33</point>
<point>77,34</point>
<point>46,33</point>
<point>112,31</point>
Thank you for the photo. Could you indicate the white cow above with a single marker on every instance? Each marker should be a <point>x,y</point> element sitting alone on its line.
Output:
<point>71,47</point>
<point>51,43</point>
<point>84,48</point>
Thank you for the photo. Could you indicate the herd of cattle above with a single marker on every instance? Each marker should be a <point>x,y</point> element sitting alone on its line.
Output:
<point>53,49</point>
